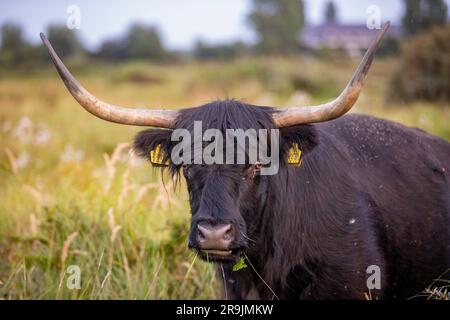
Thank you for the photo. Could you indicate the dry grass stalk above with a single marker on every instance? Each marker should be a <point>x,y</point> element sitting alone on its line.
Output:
<point>126,265</point>
<point>439,293</point>
<point>163,199</point>
<point>142,190</point>
<point>111,162</point>
<point>66,248</point>
<point>152,287</point>
<point>34,224</point>
<point>115,228</point>
<point>12,160</point>
<point>126,187</point>
<point>37,193</point>
<point>64,255</point>
<point>108,274</point>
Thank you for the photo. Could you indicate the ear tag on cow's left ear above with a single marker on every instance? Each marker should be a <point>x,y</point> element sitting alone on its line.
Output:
<point>295,155</point>
<point>157,157</point>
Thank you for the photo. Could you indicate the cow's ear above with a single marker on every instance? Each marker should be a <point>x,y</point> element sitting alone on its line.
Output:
<point>296,141</point>
<point>154,145</point>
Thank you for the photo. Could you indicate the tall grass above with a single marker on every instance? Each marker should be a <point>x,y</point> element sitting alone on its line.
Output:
<point>73,193</point>
<point>127,244</point>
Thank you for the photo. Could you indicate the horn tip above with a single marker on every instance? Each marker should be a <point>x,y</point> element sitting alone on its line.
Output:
<point>43,37</point>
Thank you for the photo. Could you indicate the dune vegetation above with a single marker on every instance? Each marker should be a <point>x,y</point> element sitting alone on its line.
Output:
<point>72,192</point>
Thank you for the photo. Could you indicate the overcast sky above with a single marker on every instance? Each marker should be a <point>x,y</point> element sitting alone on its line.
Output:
<point>181,22</point>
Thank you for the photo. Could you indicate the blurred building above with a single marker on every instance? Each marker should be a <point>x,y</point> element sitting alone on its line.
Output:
<point>353,39</point>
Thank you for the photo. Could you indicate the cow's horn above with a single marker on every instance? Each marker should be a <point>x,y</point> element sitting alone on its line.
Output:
<point>106,111</point>
<point>336,108</point>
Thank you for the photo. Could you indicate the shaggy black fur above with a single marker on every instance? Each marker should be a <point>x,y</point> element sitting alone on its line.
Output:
<point>368,192</point>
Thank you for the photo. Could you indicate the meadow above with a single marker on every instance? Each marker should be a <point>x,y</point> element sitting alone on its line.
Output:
<point>72,192</point>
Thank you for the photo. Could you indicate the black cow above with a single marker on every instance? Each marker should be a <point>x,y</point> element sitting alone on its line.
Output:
<point>369,195</point>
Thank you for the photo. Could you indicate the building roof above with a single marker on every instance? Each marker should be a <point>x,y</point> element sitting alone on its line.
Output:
<point>350,37</point>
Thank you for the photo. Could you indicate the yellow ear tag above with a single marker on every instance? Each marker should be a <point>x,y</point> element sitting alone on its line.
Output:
<point>157,157</point>
<point>295,155</point>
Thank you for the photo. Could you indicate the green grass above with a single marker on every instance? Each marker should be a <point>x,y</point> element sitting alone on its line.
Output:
<point>128,233</point>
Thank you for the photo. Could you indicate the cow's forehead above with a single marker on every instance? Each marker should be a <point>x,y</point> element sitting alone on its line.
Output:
<point>226,114</point>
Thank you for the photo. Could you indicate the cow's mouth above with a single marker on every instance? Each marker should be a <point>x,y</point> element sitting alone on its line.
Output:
<point>219,255</point>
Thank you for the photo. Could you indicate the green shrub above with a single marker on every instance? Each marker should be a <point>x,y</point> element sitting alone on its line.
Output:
<point>424,71</point>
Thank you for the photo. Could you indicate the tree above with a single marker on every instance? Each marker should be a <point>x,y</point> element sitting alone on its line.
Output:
<point>13,45</point>
<point>112,50</point>
<point>330,13</point>
<point>12,37</point>
<point>140,42</point>
<point>421,15</point>
<point>203,51</point>
<point>65,41</point>
<point>14,49</point>
<point>423,71</point>
<point>277,24</point>
<point>143,42</point>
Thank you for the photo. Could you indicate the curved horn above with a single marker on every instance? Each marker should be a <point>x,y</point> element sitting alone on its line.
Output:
<point>336,108</point>
<point>106,111</point>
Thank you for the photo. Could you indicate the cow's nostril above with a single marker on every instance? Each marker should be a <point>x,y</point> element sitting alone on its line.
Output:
<point>201,235</point>
<point>229,233</point>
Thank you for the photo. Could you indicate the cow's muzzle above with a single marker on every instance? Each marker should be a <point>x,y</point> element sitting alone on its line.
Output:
<point>214,241</point>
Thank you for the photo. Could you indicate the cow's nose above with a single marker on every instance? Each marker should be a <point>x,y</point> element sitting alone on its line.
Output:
<point>215,237</point>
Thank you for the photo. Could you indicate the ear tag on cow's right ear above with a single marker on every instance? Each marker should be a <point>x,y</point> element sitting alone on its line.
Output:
<point>295,155</point>
<point>157,157</point>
